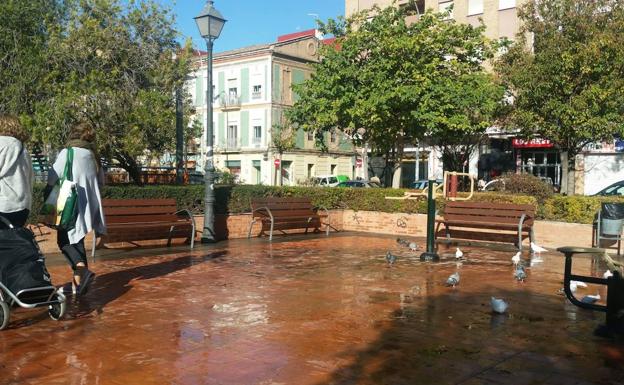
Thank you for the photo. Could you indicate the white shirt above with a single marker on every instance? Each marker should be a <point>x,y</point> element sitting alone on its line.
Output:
<point>16,176</point>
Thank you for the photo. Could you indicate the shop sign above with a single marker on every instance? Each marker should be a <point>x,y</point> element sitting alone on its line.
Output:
<point>531,143</point>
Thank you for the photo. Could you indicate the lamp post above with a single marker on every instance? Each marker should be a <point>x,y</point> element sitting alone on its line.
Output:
<point>210,23</point>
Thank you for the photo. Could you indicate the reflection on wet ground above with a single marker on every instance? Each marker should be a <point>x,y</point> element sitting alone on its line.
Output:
<point>314,310</point>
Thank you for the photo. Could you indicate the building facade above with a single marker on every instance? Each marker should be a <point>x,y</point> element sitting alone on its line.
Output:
<point>499,16</point>
<point>252,89</point>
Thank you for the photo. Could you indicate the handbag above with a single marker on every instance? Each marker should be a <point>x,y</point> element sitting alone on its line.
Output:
<point>60,209</point>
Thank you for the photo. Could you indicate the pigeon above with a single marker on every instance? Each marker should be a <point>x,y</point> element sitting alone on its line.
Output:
<point>537,249</point>
<point>413,246</point>
<point>576,284</point>
<point>402,242</point>
<point>459,254</point>
<point>608,274</point>
<point>499,305</point>
<point>453,279</point>
<point>516,258</point>
<point>391,258</point>
<point>520,274</point>
<point>591,298</point>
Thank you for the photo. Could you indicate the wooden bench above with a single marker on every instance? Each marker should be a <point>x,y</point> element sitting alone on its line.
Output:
<point>483,221</point>
<point>153,218</point>
<point>286,213</point>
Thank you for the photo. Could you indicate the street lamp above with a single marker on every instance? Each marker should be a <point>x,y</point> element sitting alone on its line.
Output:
<point>210,23</point>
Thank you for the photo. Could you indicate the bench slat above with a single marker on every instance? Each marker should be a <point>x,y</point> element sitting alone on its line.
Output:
<point>486,212</point>
<point>489,205</point>
<point>138,202</point>
<point>144,218</point>
<point>482,219</point>
<point>142,210</point>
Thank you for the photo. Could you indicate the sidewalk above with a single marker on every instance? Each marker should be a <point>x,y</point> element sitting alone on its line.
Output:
<point>310,310</point>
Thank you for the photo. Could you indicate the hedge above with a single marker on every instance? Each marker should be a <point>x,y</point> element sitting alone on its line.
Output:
<point>237,199</point>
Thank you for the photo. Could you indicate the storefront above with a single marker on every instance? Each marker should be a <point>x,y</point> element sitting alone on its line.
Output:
<point>538,157</point>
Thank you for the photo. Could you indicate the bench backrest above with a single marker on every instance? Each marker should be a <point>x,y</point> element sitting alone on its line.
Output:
<point>139,210</point>
<point>489,212</point>
<point>283,207</point>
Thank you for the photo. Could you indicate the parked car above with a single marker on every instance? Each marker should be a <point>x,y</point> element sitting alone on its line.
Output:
<point>423,183</point>
<point>614,189</point>
<point>358,184</point>
<point>329,180</point>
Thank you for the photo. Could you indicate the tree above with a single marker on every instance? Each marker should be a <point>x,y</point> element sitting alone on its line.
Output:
<point>283,139</point>
<point>116,64</point>
<point>566,75</point>
<point>24,30</point>
<point>401,82</point>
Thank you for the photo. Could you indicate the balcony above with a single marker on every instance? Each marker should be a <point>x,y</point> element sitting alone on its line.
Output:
<point>229,102</point>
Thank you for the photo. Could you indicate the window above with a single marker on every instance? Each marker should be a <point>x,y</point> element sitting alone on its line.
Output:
<point>310,170</point>
<point>234,167</point>
<point>505,4</point>
<point>256,92</point>
<point>447,6</point>
<point>232,136</point>
<point>475,7</point>
<point>332,137</point>
<point>333,169</point>
<point>310,135</point>
<point>257,135</point>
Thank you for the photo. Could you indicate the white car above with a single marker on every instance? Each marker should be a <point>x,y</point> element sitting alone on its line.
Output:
<point>326,180</point>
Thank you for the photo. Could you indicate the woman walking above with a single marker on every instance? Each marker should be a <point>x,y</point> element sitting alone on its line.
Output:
<point>88,176</point>
<point>16,172</point>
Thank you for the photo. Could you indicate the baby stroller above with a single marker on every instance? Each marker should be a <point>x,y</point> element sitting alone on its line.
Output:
<point>24,279</point>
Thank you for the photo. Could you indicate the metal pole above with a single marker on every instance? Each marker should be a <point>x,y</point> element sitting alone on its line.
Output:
<point>179,139</point>
<point>430,254</point>
<point>208,235</point>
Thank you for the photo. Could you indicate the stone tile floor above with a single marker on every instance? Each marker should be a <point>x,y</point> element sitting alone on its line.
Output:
<point>311,310</point>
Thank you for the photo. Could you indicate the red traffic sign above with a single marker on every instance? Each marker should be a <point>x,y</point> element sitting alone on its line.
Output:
<point>276,162</point>
<point>358,162</point>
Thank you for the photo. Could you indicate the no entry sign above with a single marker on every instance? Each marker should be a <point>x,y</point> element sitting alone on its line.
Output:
<point>358,162</point>
<point>276,162</point>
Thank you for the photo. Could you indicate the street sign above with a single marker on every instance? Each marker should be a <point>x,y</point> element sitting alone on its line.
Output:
<point>276,162</point>
<point>358,162</point>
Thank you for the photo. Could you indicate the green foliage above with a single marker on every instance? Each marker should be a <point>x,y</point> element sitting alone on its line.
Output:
<point>577,209</point>
<point>114,63</point>
<point>569,85</point>
<point>391,83</point>
<point>526,184</point>
<point>24,28</point>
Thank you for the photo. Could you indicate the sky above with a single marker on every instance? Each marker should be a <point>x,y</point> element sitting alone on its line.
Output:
<point>252,22</point>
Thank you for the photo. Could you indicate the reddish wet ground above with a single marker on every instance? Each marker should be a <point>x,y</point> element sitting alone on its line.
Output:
<point>306,310</point>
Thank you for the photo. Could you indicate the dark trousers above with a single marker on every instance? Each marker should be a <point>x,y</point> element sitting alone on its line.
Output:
<point>74,253</point>
<point>17,219</point>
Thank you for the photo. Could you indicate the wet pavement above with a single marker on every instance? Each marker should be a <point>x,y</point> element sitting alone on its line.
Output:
<point>312,310</point>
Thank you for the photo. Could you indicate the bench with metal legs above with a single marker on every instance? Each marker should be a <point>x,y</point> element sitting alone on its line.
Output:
<point>614,308</point>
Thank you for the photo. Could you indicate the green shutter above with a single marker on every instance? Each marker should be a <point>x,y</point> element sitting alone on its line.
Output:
<point>298,77</point>
<point>244,85</point>
<point>222,129</point>
<point>199,91</point>
<point>244,128</point>
<point>300,139</point>
<point>277,84</point>
<point>266,80</point>
<point>221,85</point>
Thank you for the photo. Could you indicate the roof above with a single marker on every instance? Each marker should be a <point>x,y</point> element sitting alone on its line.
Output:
<point>296,35</point>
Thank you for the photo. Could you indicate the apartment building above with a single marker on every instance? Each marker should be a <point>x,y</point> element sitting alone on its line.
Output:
<point>499,16</point>
<point>252,89</point>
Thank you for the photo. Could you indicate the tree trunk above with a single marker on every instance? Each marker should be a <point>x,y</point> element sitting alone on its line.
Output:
<point>568,163</point>
<point>281,181</point>
<point>129,164</point>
